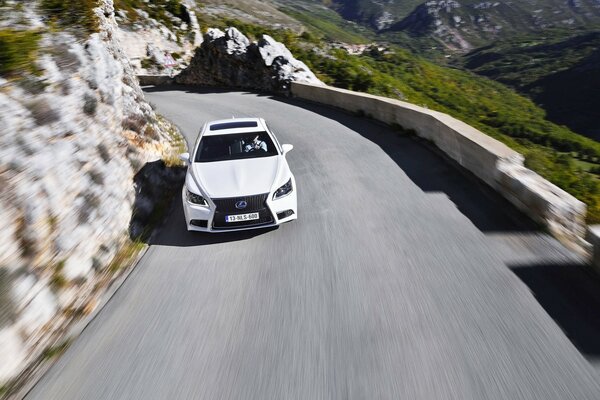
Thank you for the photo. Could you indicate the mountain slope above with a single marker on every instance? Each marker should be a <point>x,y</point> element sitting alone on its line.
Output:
<point>378,14</point>
<point>470,23</point>
<point>461,25</point>
<point>561,74</point>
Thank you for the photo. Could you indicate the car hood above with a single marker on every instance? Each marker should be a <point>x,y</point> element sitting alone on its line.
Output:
<point>237,177</point>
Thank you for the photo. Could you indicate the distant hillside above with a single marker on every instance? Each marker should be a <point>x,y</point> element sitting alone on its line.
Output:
<point>561,74</point>
<point>463,25</point>
<point>467,24</point>
<point>260,12</point>
<point>377,14</point>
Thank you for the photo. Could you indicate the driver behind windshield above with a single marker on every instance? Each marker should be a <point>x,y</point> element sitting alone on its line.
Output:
<point>255,145</point>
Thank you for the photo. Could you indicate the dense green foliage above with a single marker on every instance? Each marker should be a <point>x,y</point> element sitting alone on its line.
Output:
<point>331,26</point>
<point>76,15</point>
<point>559,70</point>
<point>18,50</point>
<point>522,60</point>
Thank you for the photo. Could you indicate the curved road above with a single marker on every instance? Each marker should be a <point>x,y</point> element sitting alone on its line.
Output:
<point>402,279</point>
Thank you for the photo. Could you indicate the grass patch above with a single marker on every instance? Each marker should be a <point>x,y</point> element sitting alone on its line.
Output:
<point>56,351</point>
<point>149,63</point>
<point>177,141</point>
<point>330,26</point>
<point>587,166</point>
<point>58,280</point>
<point>76,15</point>
<point>126,254</point>
<point>18,51</point>
<point>160,10</point>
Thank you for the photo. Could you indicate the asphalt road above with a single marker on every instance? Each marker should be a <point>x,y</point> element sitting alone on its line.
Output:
<point>402,279</point>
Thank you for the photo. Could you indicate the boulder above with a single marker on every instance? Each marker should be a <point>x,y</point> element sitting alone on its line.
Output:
<point>230,59</point>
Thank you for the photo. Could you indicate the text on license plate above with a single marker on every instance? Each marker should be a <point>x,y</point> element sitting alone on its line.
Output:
<point>241,217</point>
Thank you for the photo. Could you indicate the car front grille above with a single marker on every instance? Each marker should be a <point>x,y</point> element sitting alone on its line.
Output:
<point>255,203</point>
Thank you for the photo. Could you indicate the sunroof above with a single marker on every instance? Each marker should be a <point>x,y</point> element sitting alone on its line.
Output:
<point>233,124</point>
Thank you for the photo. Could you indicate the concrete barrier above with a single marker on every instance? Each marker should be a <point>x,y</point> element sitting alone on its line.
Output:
<point>492,161</point>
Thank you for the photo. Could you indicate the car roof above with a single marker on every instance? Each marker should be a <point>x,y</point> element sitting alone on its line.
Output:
<point>234,125</point>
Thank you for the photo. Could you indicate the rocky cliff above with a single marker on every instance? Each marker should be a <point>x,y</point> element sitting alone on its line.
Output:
<point>73,134</point>
<point>230,59</point>
<point>159,39</point>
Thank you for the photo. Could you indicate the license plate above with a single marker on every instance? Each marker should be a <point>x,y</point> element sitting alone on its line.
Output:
<point>241,217</point>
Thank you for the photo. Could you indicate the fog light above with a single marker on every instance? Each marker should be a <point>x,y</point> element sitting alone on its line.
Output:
<point>285,214</point>
<point>201,223</point>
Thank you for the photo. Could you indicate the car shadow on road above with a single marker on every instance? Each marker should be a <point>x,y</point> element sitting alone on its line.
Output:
<point>569,294</point>
<point>198,89</point>
<point>174,233</point>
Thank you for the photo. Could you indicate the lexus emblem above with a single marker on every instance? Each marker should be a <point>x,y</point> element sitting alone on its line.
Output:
<point>241,204</point>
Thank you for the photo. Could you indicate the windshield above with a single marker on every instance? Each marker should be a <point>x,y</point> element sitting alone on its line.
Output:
<point>235,147</point>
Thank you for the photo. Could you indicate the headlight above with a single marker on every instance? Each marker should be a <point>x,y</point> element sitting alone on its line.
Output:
<point>195,198</point>
<point>283,191</point>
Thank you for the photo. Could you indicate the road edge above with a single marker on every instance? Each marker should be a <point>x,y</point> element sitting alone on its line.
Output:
<point>33,376</point>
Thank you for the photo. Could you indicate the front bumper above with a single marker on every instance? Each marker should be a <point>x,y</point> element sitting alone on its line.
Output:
<point>211,219</point>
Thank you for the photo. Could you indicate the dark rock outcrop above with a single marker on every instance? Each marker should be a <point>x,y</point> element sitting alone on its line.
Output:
<point>229,59</point>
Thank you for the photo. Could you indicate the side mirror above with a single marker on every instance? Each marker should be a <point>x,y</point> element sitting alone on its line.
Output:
<point>185,157</point>
<point>286,148</point>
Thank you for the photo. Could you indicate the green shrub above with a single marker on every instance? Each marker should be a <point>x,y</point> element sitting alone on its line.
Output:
<point>149,63</point>
<point>58,280</point>
<point>77,14</point>
<point>18,51</point>
<point>159,10</point>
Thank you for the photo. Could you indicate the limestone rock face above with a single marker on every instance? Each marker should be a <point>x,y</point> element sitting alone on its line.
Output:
<point>236,43</point>
<point>146,40</point>
<point>230,59</point>
<point>72,138</point>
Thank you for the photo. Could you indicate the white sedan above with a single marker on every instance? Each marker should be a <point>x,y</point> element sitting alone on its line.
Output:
<point>238,178</point>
